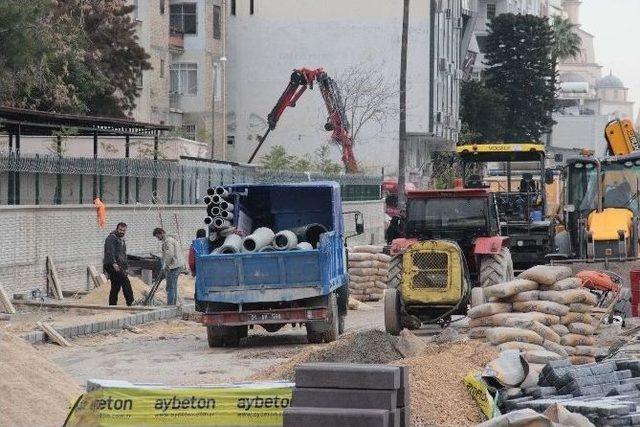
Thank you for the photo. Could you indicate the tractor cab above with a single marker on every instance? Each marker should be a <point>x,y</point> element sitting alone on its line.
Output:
<point>516,175</point>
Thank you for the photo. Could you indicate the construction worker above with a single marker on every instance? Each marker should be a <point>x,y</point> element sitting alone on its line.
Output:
<point>173,260</point>
<point>115,265</point>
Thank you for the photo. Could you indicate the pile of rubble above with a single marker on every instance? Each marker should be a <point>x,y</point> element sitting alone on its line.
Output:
<point>368,271</point>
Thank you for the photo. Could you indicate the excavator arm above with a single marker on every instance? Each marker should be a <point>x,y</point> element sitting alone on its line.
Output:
<point>621,137</point>
<point>337,123</point>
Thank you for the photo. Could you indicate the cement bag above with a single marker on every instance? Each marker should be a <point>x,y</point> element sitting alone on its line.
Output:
<point>381,285</point>
<point>584,350</point>
<point>503,290</point>
<point>581,360</point>
<point>544,331</point>
<point>383,258</point>
<point>369,249</point>
<point>580,308</point>
<point>516,345</point>
<point>356,278</point>
<point>548,307</point>
<point>560,329</point>
<point>541,356</point>
<point>365,264</point>
<point>513,319</point>
<point>360,285</point>
<point>523,297</point>
<point>581,328</point>
<point>477,333</point>
<point>501,335</point>
<point>574,340</point>
<point>488,309</point>
<point>581,296</point>
<point>363,271</point>
<point>570,350</point>
<point>546,274</point>
<point>555,347</point>
<point>566,284</point>
<point>354,256</point>
<point>572,317</point>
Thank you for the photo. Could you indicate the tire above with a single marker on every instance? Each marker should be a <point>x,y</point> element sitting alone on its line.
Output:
<point>496,268</point>
<point>392,312</point>
<point>477,296</point>
<point>328,330</point>
<point>341,320</point>
<point>233,335</point>
<point>313,336</point>
<point>214,336</point>
<point>394,277</point>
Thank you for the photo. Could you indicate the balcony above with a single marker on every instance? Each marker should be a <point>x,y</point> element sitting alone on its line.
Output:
<point>176,40</point>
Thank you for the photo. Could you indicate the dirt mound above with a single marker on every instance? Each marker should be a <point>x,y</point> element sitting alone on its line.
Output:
<point>34,391</point>
<point>100,295</point>
<point>372,346</point>
<point>436,378</point>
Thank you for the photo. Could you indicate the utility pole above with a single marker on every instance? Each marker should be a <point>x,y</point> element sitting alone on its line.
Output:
<point>402,199</point>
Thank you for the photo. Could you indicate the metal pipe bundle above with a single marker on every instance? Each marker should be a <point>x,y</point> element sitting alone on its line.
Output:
<point>222,192</point>
<point>257,240</point>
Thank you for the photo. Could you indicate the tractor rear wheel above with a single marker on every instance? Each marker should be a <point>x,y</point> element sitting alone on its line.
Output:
<point>394,276</point>
<point>496,268</point>
<point>392,322</point>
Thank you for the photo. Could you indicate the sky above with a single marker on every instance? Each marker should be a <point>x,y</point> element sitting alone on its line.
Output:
<point>614,23</point>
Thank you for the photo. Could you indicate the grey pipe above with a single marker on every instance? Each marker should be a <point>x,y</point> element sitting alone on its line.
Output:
<point>216,200</point>
<point>232,245</point>
<point>221,223</point>
<point>285,240</point>
<point>215,211</point>
<point>208,220</point>
<point>207,200</point>
<point>226,215</point>
<point>257,240</point>
<point>304,246</point>
<point>222,192</point>
<point>226,206</point>
<point>211,191</point>
<point>310,233</point>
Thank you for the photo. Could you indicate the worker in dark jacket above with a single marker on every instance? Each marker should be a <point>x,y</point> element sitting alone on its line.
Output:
<point>115,265</point>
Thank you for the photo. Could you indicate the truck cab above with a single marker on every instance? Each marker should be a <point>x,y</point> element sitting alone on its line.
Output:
<point>238,291</point>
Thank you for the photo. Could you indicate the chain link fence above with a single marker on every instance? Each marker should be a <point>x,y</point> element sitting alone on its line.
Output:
<point>53,180</point>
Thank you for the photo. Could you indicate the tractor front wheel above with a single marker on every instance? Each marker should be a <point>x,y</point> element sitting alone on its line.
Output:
<point>392,322</point>
<point>496,268</point>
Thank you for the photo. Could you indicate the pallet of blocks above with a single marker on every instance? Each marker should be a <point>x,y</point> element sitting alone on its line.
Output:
<point>349,395</point>
<point>368,271</point>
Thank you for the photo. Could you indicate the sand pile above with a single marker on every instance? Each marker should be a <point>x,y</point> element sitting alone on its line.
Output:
<point>372,346</point>
<point>100,295</point>
<point>33,390</point>
<point>438,395</point>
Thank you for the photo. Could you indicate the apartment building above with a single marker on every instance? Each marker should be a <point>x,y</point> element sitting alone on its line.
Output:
<point>185,87</point>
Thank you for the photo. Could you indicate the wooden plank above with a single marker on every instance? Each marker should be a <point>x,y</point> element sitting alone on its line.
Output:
<point>54,304</point>
<point>99,279</point>
<point>5,302</point>
<point>57,290</point>
<point>53,334</point>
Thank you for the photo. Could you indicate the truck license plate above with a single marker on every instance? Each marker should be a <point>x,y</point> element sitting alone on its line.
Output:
<point>257,317</point>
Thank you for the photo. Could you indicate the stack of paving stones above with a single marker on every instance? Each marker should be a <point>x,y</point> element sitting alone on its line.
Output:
<point>608,393</point>
<point>349,395</point>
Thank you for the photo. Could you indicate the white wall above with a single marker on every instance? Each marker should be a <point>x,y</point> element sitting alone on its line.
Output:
<point>577,132</point>
<point>282,35</point>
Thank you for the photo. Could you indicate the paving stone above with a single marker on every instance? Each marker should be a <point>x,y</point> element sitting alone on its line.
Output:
<point>336,417</point>
<point>345,398</point>
<point>603,368</point>
<point>624,374</point>
<point>403,391</point>
<point>343,375</point>
<point>544,392</point>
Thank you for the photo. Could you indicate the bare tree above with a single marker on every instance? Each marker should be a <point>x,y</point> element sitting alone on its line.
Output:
<point>368,97</point>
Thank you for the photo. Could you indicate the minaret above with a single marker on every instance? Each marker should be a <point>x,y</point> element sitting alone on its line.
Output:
<point>572,7</point>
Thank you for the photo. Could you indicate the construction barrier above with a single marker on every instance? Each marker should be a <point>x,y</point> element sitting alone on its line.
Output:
<point>119,403</point>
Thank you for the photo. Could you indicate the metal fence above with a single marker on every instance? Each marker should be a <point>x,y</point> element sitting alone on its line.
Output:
<point>45,180</point>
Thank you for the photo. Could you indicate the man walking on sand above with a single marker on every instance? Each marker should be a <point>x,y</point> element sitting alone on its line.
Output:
<point>115,265</point>
<point>173,259</point>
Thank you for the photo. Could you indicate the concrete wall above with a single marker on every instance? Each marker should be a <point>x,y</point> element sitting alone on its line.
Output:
<point>71,236</point>
<point>577,132</point>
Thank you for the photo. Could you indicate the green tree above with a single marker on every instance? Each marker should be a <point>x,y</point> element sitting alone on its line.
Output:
<point>521,69</point>
<point>279,159</point>
<point>566,43</point>
<point>482,113</point>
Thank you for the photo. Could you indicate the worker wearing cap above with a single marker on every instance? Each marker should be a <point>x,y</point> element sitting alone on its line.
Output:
<point>173,260</point>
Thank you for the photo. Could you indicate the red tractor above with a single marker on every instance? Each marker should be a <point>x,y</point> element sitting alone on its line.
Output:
<point>450,242</point>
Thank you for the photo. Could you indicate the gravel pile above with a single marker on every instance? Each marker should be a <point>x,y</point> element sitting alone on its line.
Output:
<point>372,346</point>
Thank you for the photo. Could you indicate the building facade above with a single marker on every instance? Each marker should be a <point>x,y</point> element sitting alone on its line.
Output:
<point>185,87</point>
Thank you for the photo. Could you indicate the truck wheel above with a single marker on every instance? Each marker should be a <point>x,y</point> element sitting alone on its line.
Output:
<point>496,268</point>
<point>214,336</point>
<point>233,335</point>
<point>392,311</point>
<point>332,330</point>
<point>313,336</point>
<point>341,320</point>
<point>395,272</point>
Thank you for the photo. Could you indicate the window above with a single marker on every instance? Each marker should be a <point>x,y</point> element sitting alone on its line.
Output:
<point>217,82</point>
<point>231,140</point>
<point>251,7</point>
<point>184,17</point>
<point>161,7</point>
<point>233,7</point>
<point>162,68</point>
<point>217,30</point>
<point>184,78</point>
<point>491,10</point>
<point>189,131</point>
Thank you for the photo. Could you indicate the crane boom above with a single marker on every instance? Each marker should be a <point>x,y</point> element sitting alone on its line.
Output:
<point>337,123</point>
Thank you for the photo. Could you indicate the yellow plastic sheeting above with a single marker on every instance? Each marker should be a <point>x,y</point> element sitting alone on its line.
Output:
<point>605,225</point>
<point>216,406</point>
<point>480,394</point>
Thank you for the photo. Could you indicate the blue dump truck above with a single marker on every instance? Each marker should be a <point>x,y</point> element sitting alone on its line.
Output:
<point>305,285</point>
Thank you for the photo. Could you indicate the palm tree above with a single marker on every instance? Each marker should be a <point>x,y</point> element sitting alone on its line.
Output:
<point>567,42</point>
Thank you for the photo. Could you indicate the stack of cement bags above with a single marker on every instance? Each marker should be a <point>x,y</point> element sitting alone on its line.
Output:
<point>544,313</point>
<point>368,270</point>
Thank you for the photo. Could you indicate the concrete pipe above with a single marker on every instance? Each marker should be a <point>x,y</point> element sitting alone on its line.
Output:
<point>268,249</point>
<point>226,215</point>
<point>257,240</point>
<point>232,245</point>
<point>304,246</point>
<point>310,233</point>
<point>222,192</point>
<point>221,223</point>
<point>215,211</point>
<point>226,206</point>
<point>208,220</point>
<point>207,200</point>
<point>285,240</point>
<point>211,191</point>
<point>216,200</point>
